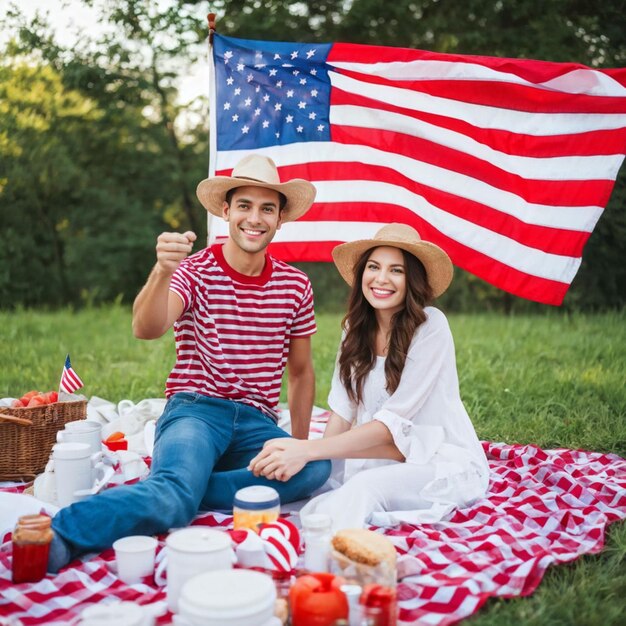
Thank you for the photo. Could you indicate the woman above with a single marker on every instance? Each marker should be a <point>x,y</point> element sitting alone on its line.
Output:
<point>397,418</point>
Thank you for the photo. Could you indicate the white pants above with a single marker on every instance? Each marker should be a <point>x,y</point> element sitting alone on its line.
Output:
<point>371,492</point>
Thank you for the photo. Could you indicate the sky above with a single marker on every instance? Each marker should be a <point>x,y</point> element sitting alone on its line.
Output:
<point>66,16</point>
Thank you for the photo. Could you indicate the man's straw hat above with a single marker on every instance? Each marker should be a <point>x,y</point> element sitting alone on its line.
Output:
<point>436,262</point>
<point>257,171</point>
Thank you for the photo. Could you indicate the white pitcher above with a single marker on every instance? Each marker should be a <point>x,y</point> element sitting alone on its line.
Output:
<point>192,551</point>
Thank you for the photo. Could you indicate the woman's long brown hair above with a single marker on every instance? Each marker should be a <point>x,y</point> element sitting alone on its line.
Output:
<point>358,348</point>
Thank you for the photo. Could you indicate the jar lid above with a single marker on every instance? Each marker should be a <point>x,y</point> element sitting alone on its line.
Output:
<point>227,594</point>
<point>198,539</point>
<point>256,498</point>
<point>73,450</point>
<point>120,614</point>
<point>316,521</point>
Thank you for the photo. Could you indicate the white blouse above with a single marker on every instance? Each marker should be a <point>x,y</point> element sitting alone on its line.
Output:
<point>427,420</point>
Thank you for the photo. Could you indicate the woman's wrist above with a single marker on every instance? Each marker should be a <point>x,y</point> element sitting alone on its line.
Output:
<point>310,451</point>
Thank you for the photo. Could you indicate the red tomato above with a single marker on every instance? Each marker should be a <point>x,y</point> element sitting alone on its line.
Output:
<point>27,396</point>
<point>317,600</point>
<point>51,397</point>
<point>36,401</point>
<point>18,404</point>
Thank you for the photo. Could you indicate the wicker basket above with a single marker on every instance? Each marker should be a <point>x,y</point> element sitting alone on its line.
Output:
<point>27,436</point>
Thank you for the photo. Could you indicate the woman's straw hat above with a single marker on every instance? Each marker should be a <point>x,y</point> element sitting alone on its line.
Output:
<point>436,262</point>
<point>257,171</point>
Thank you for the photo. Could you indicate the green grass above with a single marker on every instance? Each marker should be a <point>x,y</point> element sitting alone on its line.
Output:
<point>553,380</point>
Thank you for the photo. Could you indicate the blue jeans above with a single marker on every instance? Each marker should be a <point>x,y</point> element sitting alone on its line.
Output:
<point>202,448</point>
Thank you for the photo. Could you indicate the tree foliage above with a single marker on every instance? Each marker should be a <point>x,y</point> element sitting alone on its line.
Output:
<point>92,166</point>
<point>98,153</point>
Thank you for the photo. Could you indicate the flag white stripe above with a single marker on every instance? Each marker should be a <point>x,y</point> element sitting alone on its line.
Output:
<point>597,167</point>
<point>581,219</point>
<point>483,116</point>
<point>500,248</point>
<point>578,81</point>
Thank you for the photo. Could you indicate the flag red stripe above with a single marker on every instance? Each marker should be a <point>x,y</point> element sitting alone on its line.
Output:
<point>500,94</point>
<point>500,275</point>
<point>586,144</point>
<point>70,381</point>
<point>528,69</point>
<point>553,241</point>
<point>556,241</point>
<point>551,192</point>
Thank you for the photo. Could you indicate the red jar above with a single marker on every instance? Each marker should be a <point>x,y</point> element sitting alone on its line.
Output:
<point>317,600</point>
<point>31,545</point>
<point>379,603</point>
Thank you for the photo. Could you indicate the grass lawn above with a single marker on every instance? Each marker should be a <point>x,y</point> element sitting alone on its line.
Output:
<point>554,380</point>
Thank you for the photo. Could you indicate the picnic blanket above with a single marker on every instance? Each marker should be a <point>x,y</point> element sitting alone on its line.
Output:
<point>543,507</point>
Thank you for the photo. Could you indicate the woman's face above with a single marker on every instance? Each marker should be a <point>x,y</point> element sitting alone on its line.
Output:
<point>384,279</point>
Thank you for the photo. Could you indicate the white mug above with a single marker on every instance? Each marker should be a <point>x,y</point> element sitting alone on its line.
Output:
<point>192,551</point>
<point>82,431</point>
<point>75,469</point>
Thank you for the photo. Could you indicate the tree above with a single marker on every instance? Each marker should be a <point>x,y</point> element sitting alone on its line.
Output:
<point>93,165</point>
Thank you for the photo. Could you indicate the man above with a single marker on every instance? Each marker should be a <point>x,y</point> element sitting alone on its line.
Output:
<point>240,317</point>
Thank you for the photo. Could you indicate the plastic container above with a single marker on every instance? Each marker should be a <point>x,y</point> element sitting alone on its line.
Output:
<point>190,552</point>
<point>318,534</point>
<point>31,546</point>
<point>228,598</point>
<point>255,505</point>
<point>118,614</point>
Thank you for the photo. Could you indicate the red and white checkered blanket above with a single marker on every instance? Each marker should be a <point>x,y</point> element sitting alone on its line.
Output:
<point>542,508</point>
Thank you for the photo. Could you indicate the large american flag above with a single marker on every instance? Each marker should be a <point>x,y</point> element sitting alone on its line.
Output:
<point>507,164</point>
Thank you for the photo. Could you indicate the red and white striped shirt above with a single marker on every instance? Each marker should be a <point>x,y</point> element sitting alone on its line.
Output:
<point>232,340</point>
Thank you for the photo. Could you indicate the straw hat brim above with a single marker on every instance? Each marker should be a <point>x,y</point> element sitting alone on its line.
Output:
<point>437,263</point>
<point>300,194</point>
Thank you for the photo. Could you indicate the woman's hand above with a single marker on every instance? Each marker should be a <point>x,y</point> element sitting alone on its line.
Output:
<point>280,458</point>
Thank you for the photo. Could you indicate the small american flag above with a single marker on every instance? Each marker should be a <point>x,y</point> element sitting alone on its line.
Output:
<point>506,164</point>
<point>70,380</point>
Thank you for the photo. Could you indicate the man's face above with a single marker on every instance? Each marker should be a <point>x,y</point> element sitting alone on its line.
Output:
<point>253,217</point>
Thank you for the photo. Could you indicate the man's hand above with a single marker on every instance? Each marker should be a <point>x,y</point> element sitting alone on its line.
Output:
<point>280,458</point>
<point>172,248</point>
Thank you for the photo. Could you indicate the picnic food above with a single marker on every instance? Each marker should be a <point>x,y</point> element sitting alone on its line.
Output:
<point>254,506</point>
<point>116,436</point>
<point>31,545</point>
<point>35,398</point>
<point>116,441</point>
<point>364,546</point>
<point>317,600</point>
<point>379,601</point>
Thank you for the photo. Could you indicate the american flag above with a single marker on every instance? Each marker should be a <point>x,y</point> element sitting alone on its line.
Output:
<point>70,380</point>
<point>507,164</point>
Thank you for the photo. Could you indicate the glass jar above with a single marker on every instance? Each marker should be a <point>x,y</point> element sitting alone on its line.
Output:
<point>379,605</point>
<point>255,505</point>
<point>31,546</point>
<point>317,531</point>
